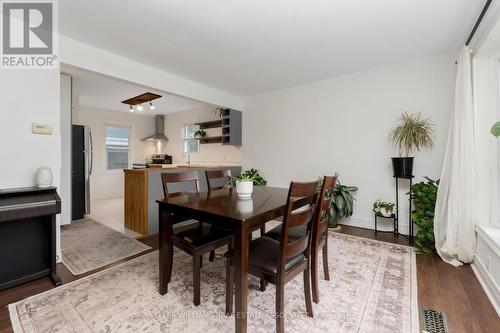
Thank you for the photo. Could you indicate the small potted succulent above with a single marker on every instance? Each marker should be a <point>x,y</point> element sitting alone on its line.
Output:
<point>383,208</point>
<point>244,182</point>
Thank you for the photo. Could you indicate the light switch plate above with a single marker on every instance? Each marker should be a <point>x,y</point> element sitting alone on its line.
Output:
<point>45,129</point>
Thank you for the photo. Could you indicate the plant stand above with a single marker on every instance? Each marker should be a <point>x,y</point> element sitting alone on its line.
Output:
<point>392,216</point>
<point>410,221</point>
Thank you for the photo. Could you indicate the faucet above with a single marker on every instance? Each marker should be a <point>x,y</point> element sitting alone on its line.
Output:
<point>189,159</point>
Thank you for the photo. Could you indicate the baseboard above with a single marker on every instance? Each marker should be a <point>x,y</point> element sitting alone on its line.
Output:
<point>370,224</point>
<point>489,286</point>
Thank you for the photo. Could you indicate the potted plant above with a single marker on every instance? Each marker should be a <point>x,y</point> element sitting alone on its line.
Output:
<point>383,208</point>
<point>244,182</point>
<point>424,196</point>
<point>200,133</point>
<point>342,204</point>
<point>218,111</point>
<point>413,133</point>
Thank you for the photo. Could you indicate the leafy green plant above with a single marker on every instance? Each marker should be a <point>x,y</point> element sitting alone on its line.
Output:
<point>424,200</point>
<point>413,133</point>
<point>251,175</point>
<point>495,129</point>
<point>219,111</point>
<point>378,205</point>
<point>342,203</point>
<point>201,133</point>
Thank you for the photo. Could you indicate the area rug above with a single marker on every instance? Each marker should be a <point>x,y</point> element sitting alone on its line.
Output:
<point>372,289</point>
<point>87,245</point>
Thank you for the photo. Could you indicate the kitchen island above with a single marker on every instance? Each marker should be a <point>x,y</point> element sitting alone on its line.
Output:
<point>144,186</point>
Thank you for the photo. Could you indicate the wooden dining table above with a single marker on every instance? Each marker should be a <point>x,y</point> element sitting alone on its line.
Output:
<point>222,208</point>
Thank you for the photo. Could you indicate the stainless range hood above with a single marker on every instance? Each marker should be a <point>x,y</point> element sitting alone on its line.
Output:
<point>159,135</point>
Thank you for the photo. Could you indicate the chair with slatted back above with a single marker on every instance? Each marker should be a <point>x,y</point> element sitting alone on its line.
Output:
<point>193,237</point>
<point>278,262</point>
<point>319,233</point>
<point>217,180</point>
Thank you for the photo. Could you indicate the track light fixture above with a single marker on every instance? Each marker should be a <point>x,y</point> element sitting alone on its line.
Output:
<point>135,103</point>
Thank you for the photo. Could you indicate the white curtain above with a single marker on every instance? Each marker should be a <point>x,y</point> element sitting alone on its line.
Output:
<point>454,227</point>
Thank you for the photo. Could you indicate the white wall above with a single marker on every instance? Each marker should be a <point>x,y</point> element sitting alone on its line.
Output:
<point>28,96</point>
<point>76,53</point>
<point>109,183</point>
<point>341,125</point>
<point>209,153</point>
<point>66,108</point>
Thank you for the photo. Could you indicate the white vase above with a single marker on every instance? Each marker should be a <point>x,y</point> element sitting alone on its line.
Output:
<point>244,189</point>
<point>385,212</point>
<point>44,177</point>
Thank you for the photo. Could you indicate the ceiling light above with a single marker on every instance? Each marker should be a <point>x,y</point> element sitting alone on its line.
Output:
<point>151,106</point>
<point>139,107</point>
<point>131,108</point>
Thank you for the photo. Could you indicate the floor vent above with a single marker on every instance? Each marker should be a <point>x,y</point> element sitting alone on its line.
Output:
<point>433,321</point>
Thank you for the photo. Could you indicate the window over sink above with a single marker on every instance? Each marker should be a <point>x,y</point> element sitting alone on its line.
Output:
<point>190,143</point>
<point>117,147</point>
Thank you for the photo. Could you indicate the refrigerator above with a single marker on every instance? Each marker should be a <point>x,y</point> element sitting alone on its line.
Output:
<point>82,165</point>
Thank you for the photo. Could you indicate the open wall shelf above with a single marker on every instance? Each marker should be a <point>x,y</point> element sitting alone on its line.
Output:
<point>230,124</point>
<point>210,124</point>
<point>210,139</point>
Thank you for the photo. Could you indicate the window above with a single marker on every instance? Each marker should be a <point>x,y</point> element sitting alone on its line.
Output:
<point>117,147</point>
<point>191,145</point>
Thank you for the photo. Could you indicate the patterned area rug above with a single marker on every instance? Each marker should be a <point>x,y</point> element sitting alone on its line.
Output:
<point>373,289</point>
<point>87,245</point>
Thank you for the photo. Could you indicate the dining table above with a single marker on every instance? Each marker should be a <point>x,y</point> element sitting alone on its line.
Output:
<point>225,209</point>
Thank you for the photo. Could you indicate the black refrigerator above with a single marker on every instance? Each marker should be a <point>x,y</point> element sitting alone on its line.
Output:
<point>82,165</point>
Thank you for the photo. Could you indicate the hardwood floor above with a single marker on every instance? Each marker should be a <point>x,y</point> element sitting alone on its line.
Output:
<point>455,291</point>
<point>452,290</point>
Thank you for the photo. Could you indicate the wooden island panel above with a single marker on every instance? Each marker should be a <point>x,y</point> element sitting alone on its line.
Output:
<point>144,186</point>
<point>136,201</point>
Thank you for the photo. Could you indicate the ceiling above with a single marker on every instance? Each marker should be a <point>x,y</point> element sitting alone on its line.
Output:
<point>103,92</point>
<point>249,47</point>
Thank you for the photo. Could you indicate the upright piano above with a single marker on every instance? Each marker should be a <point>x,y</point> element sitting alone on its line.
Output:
<point>28,235</point>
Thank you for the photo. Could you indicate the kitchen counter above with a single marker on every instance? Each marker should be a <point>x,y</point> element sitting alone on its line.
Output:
<point>183,166</point>
<point>144,186</point>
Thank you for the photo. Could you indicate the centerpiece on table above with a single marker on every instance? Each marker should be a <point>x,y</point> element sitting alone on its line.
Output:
<point>244,182</point>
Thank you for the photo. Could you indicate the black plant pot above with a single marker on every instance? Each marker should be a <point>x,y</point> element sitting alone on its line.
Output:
<point>402,167</point>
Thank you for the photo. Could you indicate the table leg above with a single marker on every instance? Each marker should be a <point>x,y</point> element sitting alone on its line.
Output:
<point>166,248</point>
<point>241,277</point>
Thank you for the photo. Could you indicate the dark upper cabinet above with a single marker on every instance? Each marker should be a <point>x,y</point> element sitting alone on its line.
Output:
<point>231,127</point>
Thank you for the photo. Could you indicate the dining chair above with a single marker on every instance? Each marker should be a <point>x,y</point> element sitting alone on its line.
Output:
<point>195,238</point>
<point>319,239</point>
<point>279,262</point>
<point>217,180</point>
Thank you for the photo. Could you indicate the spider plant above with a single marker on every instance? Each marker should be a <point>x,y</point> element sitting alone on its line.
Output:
<point>413,133</point>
